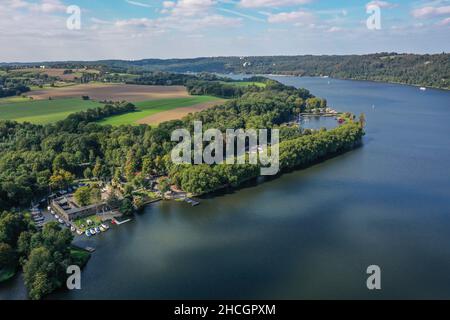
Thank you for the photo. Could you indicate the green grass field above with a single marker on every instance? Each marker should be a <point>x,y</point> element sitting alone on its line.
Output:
<point>14,99</point>
<point>150,107</point>
<point>44,111</point>
<point>246,84</point>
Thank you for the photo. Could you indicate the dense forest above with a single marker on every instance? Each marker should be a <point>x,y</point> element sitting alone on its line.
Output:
<point>12,87</point>
<point>425,70</point>
<point>43,255</point>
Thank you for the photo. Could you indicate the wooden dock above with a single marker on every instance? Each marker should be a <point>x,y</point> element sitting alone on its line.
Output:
<point>115,221</point>
<point>192,202</point>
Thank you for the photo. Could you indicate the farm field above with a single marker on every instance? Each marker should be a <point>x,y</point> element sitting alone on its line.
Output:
<point>109,91</point>
<point>13,99</point>
<point>246,84</point>
<point>44,111</point>
<point>156,111</point>
<point>57,73</point>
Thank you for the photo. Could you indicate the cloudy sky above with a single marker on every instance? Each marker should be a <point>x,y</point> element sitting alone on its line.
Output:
<point>36,30</point>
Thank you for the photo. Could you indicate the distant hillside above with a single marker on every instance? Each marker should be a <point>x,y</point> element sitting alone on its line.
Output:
<point>424,70</point>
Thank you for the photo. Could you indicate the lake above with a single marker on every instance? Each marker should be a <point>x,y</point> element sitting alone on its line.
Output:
<point>317,122</point>
<point>307,234</point>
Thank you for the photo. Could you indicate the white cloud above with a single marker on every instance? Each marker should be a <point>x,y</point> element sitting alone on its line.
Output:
<point>43,6</point>
<point>49,6</point>
<point>140,23</point>
<point>100,21</point>
<point>295,17</point>
<point>217,20</point>
<point>444,22</point>
<point>334,29</point>
<point>189,7</point>
<point>271,3</point>
<point>168,4</point>
<point>430,12</point>
<point>380,4</point>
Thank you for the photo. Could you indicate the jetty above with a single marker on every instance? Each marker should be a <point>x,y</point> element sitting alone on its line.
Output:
<point>117,222</point>
<point>192,202</point>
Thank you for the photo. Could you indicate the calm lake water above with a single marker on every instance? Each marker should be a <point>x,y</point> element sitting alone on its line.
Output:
<point>310,233</point>
<point>317,122</point>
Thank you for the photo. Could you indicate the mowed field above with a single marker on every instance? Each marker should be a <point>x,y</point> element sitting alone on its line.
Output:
<point>156,111</point>
<point>58,73</point>
<point>43,111</point>
<point>111,91</point>
<point>245,84</point>
<point>155,104</point>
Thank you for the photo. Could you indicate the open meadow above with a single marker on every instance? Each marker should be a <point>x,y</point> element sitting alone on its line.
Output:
<point>61,74</point>
<point>156,111</point>
<point>246,84</point>
<point>44,111</point>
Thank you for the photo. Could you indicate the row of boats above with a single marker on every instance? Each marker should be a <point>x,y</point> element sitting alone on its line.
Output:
<point>37,216</point>
<point>93,231</point>
<point>89,232</point>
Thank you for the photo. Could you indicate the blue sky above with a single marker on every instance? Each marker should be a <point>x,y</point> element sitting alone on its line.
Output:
<point>35,30</point>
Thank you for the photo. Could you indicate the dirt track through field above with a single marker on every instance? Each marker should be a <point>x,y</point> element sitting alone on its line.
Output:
<point>114,92</point>
<point>178,113</point>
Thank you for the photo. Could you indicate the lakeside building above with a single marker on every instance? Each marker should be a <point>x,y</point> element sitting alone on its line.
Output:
<point>68,209</point>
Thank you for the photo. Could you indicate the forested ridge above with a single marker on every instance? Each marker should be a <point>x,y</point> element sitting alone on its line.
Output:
<point>416,69</point>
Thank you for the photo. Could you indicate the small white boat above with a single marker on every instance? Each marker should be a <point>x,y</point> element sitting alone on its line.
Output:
<point>102,229</point>
<point>61,221</point>
<point>423,89</point>
<point>105,226</point>
<point>92,231</point>
<point>87,233</point>
<point>49,208</point>
<point>56,216</point>
<point>72,228</point>
<point>79,232</point>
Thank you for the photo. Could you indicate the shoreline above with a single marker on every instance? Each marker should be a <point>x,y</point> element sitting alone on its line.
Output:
<point>346,79</point>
